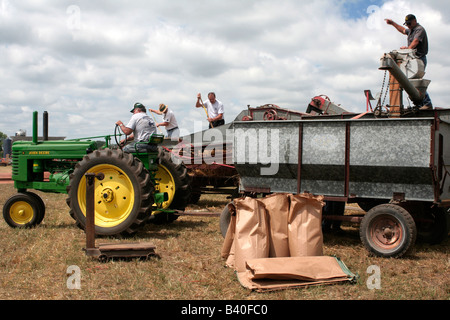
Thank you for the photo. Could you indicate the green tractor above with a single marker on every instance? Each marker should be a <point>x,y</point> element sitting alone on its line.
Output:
<point>138,187</point>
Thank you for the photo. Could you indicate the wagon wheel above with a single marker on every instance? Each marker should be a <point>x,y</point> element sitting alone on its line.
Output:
<point>224,221</point>
<point>123,199</point>
<point>388,230</point>
<point>23,210</point>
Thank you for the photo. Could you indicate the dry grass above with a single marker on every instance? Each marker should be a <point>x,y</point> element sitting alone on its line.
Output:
<point>33,264</point>
<point>5,169</point>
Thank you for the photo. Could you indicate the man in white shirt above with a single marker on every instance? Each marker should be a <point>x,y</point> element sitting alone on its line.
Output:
<point>170,122</point>
<point>139,128</point>
<point>214,109</point>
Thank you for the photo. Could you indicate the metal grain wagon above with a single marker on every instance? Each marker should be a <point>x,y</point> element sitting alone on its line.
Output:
<point>393,161</point>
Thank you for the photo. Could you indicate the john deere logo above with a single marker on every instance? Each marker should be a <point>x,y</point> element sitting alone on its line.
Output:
<point>39,152</point>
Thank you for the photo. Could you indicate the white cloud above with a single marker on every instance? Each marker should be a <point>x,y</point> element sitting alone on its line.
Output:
<point>75,119</point>
<point>88,62</point>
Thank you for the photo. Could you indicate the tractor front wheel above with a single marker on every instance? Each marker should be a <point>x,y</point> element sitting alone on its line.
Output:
<point>23,210</point>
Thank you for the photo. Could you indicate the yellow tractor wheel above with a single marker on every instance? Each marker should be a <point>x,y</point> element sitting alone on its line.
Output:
<point>22,211</point>
<point>165,183</point>
<point>172,177</point>
<point>123,199</point>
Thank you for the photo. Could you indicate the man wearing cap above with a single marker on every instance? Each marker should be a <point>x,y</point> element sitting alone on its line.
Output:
<point>139,128</point>
<point>169,121</point>
<point>418,40</point>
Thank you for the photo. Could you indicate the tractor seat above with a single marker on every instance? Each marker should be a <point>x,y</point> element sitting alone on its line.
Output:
<point>151,145</point>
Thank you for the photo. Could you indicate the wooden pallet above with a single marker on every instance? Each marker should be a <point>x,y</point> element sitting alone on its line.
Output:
<point>107,251</point>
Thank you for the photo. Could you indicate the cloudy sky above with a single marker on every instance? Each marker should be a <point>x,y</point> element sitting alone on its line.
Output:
<point>88,62</point>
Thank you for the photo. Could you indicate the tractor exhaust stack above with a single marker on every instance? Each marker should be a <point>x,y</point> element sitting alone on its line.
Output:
<point>35,127</point>
<point>45,126</point>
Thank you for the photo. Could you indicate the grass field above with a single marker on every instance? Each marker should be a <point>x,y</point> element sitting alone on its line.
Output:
<point>34,264</point>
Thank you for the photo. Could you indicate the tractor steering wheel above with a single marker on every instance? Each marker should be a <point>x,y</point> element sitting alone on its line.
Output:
<point>119,132</point>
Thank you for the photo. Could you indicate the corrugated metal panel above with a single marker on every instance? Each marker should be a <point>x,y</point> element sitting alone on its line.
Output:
<point>362,158</point>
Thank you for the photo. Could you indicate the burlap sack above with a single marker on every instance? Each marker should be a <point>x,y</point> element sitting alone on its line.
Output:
<point>277,208</point>
<point>305,225</point>
<point>251,238</point>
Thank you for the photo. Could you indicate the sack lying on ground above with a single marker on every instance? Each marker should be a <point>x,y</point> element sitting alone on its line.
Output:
<point>281,273</point>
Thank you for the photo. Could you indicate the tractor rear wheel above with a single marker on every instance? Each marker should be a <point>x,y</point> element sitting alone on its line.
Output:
<point>23,210</point>
<point>123,199</point>
<point>172,177</point>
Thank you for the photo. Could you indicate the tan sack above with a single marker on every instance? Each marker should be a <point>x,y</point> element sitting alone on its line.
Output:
<point>277,208</point>
<point>282,273</point>
<point>251,238</point>
<point>305,225</point>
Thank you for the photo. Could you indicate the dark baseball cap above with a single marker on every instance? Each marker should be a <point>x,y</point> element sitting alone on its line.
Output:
<point>140,106</point>
<point>409,18</point>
